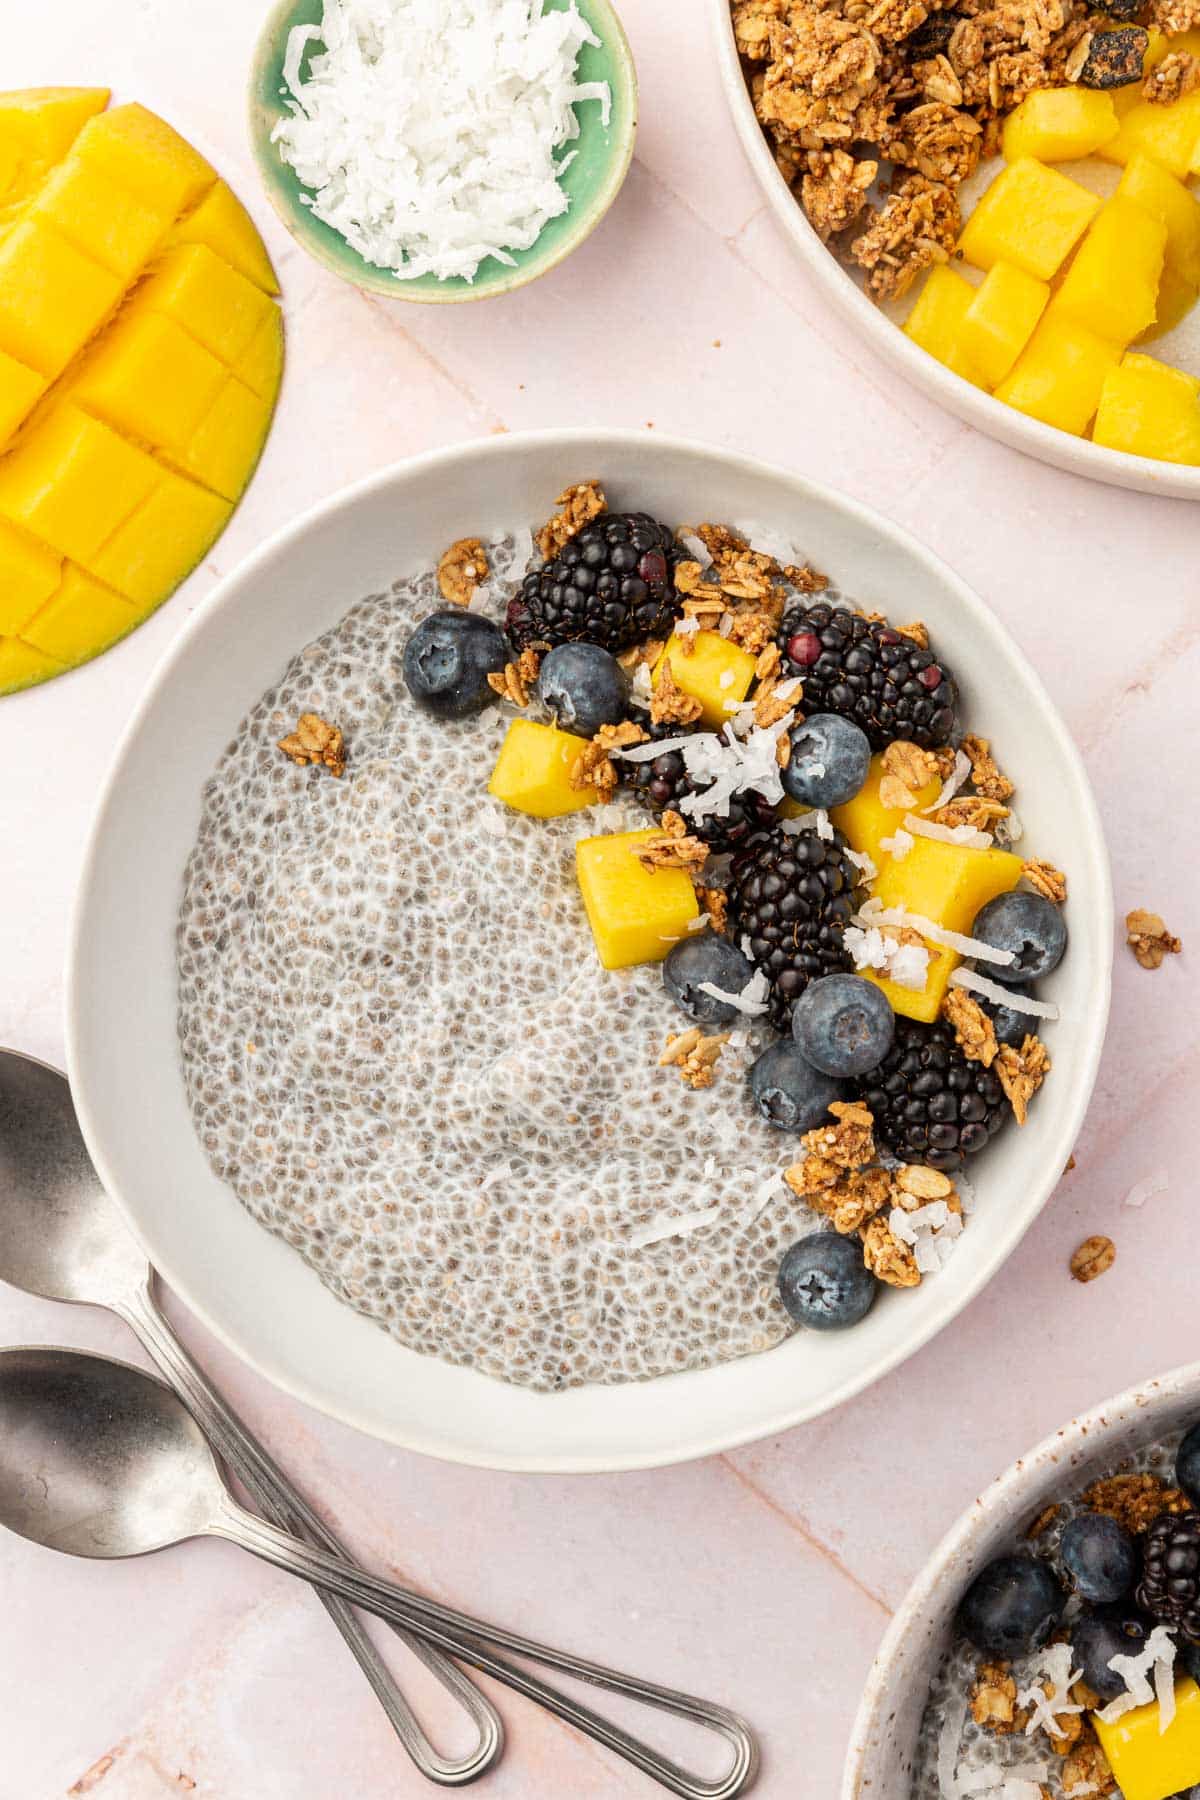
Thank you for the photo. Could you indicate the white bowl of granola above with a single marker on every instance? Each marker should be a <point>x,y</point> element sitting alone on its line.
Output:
<point>133,987</point>
<point>913,1737</point>
<point>845,285</point>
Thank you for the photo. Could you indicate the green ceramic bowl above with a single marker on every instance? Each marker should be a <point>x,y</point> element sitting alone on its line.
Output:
<point>593,180</point>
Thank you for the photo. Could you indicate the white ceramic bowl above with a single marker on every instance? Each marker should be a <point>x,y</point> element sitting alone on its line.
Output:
<point>249,1286</point>
<point>885,1731</point>
<point>1049,445</point>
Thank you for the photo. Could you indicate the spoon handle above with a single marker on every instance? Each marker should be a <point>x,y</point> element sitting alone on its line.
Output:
<point>275,1497</point>
<point>471,1641</point>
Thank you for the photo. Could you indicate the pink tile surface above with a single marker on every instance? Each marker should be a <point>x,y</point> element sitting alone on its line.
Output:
<point>763,1578</point>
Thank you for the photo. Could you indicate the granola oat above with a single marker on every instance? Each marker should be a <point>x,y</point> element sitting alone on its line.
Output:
<point>315,741</point>
<point>1045,879</point>
<point>1149,938</point>
<point>1175,16</point>
<point>1093,1258</point>
<point>594,767</point>
<point>849,1144</point>
<point>887,1258</point>
<point>460,570</point>
<point>715,902</point>
<point>972,810</point>
<point>985,774</point>
<point>910,768</point>
<point>694,1055</point>
<point>515,680</point>
<point>577,505</point>
<point>1086,1769</point>
<point>917,633</point>
<point>1022,1073</point>
<point>671,848</point>
<point>846,1197</point>
<point>917,226</point>
<point>834,189</point>
<point>670,705</point>
<point>1134,1501</point>
<point>993,1700</point>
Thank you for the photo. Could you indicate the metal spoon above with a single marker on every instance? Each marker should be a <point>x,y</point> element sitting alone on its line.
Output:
<point>62,1237</point>
<point>102,1460</point>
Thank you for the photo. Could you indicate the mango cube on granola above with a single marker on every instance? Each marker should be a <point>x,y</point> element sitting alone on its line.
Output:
<point>1149,409</point>
<point>1169,134</point>
<point>865,821</point>
<point>1112,285</point>
<point>1149,1763</point>
<point>1059,375</point>
<point>709,669</point>
<point>533,771</point>
<point>1031,216</point>
<point>636,914</point>
<point>1157,192</point>
<point>948,884</point>
<point>1001,319</point>
<point>936,320</point>
<point>1059,125</point>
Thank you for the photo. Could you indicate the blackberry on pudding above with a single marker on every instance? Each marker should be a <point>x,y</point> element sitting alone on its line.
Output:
<point>791,897</point>
<point>930,1102</point>
<point>867,671</point>
<point>611,584</point>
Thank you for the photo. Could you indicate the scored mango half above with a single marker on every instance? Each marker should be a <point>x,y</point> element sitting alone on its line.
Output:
<point>141,352</point>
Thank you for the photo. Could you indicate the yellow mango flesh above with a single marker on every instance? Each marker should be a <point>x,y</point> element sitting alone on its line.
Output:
<point>1150,1764</point>
<point>1176,298</point>
<point>636,914</point>
<point>1031,216</point>
<point>1001,319</point>
<point>1149,409</point>
<point>947,884</point>
<point>1059,125</point>
<point>141,353</point>
<point>1167,134</point>
<point>865,821</point>
<point>532,772</point>
<point>937,318</point>
<point>713,671</point>
<point>1112,285</point>
<point>1059,375</point>
<point>1157,192</point>
<point>924,1003</point>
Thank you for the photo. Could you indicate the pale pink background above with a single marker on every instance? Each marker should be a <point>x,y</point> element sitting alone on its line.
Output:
<point>764,1578</point>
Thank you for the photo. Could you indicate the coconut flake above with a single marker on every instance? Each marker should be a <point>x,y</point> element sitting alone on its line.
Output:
<point>699,922</point>
<point>954,1720</point>
<point>875,913</point>
<point>1052,1668</point>
<point>957,776</point>
<point>817,820</point>
<point>641,690</point>
<point>661,1226</point>
<point>905,964</point>
<point>1146,1190</point>
<point>862,863</point>
<point>647,752</point>
<point>696,548</point>
<point>966,835</point>
<point>751,999</point>
<point>688,627</point>
<point>1135,1672</point>
<point>991,990</point>
<point>898,845</point>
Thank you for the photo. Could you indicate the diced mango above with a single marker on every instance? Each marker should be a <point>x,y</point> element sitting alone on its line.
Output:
<point>923,1003</point>
<point>1001,319</point>
<point>222,223</point>
<point>1059,125</point>
<point>636,914</point>
<point>147,377</point>
<point>865,821</point>
<point>71,482</point>
<point>1157,192</point>
<point>1059,375</point>
<point>108,224</point>
<point>52,297</point>
<point>222,310</point>
<point>1176,298</point>
<point>1112,285</point>
<point>1151,1764</point>
<point>1031,216</point>
<point>947,884</point>
<point>1149,409</point>
<point>21,665</point>
<point>79,619</point>
<point>533,771</point>
<point>46,121</point>
<point>141,152</point>
<point>936,320</point>
<point>713,671</point>
<point>160,544</point>
<point>29,574</point>
<point>227,443</point>
<point>1168,134</point>
<point>20,391</point>
<point>261,364</point>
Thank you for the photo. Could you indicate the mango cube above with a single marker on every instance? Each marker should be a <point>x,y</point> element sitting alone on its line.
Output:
<point>52,297</point>
<point>936,320</point>
<point>71,482</point>
<point>222,223</point>
<point>1059,125</point>
<point>1149,409</point>
<point>113,227</point>
<point>1031,216</point>
<point>80,618</point>
<point>533,770</point>
<point>1150,1764</point>
<point>947,884</point>
<point>636,914</point>
<point>29,574</point>
<point>924,1003</point>
<point>1002,318</point>
<point>711,670</point>
<point>1157,192</point>
<point>261,364</point>
<point>206,297</point>
<point>20,391</point>
<point>1167,134</point>
<point>140,151</point>
<point>21,665</point>
<point>1112,285</point>
<point>46,121</point>
<point>865,821</point>
<point>227,443</point>
<point>1059,375</point>
<point>1176,298</point>
<point>147,377</point>
<point>160,544</point>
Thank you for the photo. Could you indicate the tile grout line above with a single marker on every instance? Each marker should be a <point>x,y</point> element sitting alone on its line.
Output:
<point>793,1523</point>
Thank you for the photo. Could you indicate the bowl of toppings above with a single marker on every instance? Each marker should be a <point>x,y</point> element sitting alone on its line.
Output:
<point>998,197</point>
<point>443,159</point>
<point>586,972</point>
<point>1052,1645</point>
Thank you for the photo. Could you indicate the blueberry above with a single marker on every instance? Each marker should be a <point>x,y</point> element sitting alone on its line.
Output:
<point>829,761</point>
<point>1011,1607</point>
<point>706,957</point>
<point>1100,1557</point>
<point>1095,1639</point>
<point>788,1092</point>
<point>824,1283</point>
<point>843,1024</point>
<point>584,687</point>
<point>1011,1027</point>
<point>1187,1465</point>
<point>1028,925</point>
<point>448,659</point>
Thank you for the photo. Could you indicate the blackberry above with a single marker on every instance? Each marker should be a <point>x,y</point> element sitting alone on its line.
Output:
<point>662,783</point>
<point>612,584</point>
<point>1170,1586</point>
<point>930,1104</point>
<point>792,896</point>
<point>868,672</point>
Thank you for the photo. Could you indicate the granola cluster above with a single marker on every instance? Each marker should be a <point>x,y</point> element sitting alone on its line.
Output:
<point>741,592</point>
<point>315,741</point>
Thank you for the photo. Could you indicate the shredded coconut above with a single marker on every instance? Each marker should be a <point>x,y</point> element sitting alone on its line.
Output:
<point>905,964</point>
<point>875,913</point>
<point>958,774</point>
<point>682,1225</point>
<point>898,845</point>
<point>428,136</point>
<point>1146,1190</point>
<point>696,548</point>
<point>863,863</point>
<point>948,834</point>
<point>752,999</point>
<point>1051,1669</point>
<point>991,990</point>
<point>1137,1672</point>
<point>817,820</point>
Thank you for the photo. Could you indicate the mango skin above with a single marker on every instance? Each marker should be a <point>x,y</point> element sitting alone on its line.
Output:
<point>1150,1765</point>
<point>636,914</point>
<point>532,772</point>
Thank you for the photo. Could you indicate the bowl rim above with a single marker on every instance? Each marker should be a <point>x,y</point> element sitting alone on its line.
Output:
<point>1078,456</point>
<point>370,280</point>
<point>229,592</point>
<point>1001,1497</point>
